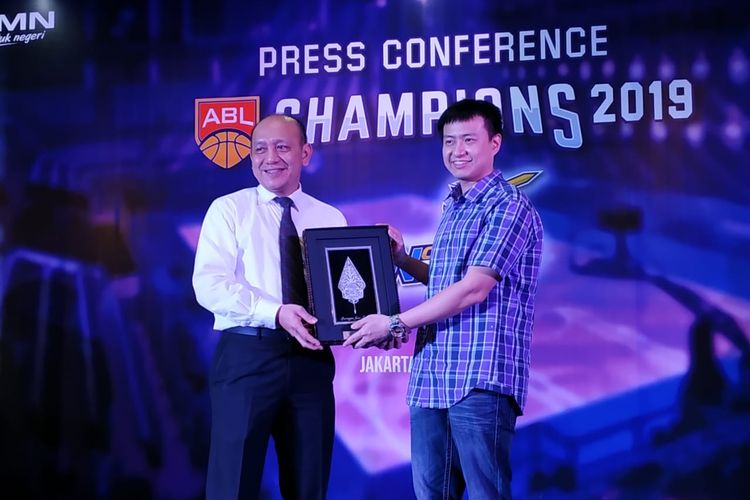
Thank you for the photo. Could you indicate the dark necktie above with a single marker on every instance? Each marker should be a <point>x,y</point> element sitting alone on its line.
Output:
<point>293,287</point>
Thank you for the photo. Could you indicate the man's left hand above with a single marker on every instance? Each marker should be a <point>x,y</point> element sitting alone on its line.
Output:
<point>390,342</point>
<point>368,331</point>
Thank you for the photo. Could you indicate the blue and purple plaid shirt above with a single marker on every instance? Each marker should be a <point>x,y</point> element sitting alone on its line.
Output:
<point>487,345</point>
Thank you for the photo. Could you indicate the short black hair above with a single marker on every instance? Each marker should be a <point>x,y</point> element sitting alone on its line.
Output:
<point>300,125</point>
<point>467,109</point>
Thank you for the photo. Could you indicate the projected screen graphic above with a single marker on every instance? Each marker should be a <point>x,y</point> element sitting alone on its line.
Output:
<point>626,125</point>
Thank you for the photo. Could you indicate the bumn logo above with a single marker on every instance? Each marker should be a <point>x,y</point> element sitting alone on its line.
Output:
<point>223,127</point>
<point>25,27</point>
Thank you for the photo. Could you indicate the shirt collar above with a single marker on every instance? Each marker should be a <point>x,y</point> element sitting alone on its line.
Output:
<point>455,192</point>
<point>476,190</point>
<point>266,196</point>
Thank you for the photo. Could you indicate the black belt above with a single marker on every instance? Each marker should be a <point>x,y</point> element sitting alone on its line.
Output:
<point>257,331</point>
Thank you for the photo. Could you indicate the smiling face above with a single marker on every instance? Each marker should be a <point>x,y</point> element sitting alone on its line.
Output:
<point>469,150</point>
<point>278,154</point>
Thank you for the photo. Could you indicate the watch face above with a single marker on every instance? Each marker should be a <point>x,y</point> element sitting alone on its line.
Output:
<point>398,331</point>
<point>396,328</point>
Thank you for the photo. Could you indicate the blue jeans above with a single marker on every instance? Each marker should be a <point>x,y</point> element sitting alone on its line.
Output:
<point>464,447</point>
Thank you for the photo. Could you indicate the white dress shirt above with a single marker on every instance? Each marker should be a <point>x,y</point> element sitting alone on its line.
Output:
<point>237,264</point>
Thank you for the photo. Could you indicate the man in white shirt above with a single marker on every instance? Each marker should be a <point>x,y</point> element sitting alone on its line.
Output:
<point>270,376</point>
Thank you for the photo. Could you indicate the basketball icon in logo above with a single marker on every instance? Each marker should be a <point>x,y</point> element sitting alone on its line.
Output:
<point>227,148</point>
<point>223,127</point>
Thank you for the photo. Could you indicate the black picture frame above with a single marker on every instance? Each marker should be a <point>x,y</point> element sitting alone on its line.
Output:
<point>350,274</point>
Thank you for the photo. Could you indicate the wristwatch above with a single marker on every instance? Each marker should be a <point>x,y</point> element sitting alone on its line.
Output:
<point>396,327</point>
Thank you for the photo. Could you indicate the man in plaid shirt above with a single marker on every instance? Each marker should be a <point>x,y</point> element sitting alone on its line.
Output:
<point>469,377</point>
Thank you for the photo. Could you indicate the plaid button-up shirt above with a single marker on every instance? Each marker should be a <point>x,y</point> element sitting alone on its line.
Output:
<point>486,346</point>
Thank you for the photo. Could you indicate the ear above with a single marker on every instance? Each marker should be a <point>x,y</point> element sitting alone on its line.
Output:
<point>307,152</point>
<point>496,141</point>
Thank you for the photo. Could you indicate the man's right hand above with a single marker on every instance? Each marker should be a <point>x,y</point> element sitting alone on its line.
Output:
<point>397,246</point>
<point>292,318</point>
<point>418,269</point>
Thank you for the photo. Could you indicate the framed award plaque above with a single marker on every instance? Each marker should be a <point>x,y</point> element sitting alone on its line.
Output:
<point>350,274</point>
